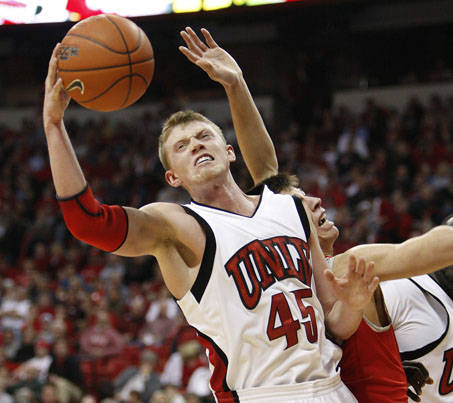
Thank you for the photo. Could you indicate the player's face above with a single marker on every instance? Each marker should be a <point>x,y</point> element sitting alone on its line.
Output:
<point>326,230</point>
<point>197,153</point>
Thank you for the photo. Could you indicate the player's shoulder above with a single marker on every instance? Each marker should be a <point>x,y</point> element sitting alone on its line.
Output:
<point>171,215</point>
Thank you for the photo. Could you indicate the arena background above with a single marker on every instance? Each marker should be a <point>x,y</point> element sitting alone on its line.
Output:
<point>358,97</point>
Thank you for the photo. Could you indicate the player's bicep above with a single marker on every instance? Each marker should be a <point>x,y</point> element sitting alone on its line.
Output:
<point>147,228</point>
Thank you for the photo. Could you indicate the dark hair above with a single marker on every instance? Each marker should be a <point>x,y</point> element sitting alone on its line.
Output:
<point>279,183</point>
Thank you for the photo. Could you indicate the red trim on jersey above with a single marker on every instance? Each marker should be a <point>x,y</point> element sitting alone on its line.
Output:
<point>219,361</point>
<point>99,225</point>
<point>371,366</point>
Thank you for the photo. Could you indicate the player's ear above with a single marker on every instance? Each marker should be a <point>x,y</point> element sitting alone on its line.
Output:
<point>230,153</point>
<point>172,178</point>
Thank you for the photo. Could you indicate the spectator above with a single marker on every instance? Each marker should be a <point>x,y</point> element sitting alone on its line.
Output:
<point>36,367</point>
<point>142,379</point>
<point>27,348</point>
<point>49,394</point>
<point>15,306</point>
<point>101,340</point>
<point>64,365</point>
<point>10,344</point>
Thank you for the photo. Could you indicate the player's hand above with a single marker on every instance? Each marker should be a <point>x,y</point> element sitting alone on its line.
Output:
<point>417,377</point>
<point>56,99</point>
<point>356,287</point>
<point>210,57</point>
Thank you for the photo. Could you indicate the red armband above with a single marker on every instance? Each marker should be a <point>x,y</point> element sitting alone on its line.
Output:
<point>99,225</point>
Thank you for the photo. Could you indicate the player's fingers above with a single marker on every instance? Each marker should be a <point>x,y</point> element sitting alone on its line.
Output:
<point>360,268</point>
<point>352,264</point>
<point>189,54</point>
<point>196,39</point>
<point>52,71</point>
<point>190,43</point>
<point>423,371</point>
<point>413,396</point>
<point>429,381</point>
<point>373,284</point>
<point>368,272</point>
<point>60,90</point>
<point>416,372</point>
<point>209,40</point>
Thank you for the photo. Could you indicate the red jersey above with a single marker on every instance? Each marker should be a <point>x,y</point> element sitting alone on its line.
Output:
<point>371,366</point>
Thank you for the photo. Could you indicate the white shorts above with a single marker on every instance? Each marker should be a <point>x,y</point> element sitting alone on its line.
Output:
<point>330,390</point>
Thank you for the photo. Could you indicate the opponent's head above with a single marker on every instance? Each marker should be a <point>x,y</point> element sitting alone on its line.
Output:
<point>191,147</point>
<point>326,230</point>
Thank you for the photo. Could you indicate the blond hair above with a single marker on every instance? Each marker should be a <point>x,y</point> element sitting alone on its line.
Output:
<point>181,118</point>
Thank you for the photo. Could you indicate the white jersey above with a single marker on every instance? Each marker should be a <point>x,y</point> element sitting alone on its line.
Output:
<point>421,313</point>
<point>253,303</point>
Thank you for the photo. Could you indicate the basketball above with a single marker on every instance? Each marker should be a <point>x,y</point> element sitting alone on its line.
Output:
<point>106,62</point>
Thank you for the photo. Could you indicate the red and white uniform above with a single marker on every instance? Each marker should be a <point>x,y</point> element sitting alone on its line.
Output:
<point>371,364</point>
<point>255,308</point>
<point>422,313</point>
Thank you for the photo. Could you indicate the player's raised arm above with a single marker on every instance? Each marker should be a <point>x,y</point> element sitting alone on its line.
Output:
<point>253,139</point>
<point>126,231</point>
<point>419,255</point>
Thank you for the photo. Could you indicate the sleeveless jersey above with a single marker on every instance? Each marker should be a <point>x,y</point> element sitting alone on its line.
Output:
<point>421,313</point>
<point>371,364</point>
<point>254,302</point>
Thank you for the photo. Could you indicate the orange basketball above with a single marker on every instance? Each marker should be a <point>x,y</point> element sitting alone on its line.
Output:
<point>106,62</point>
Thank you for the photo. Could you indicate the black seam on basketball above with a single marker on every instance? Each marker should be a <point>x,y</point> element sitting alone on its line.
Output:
<point>118,52</point>
<point>112,85</point>
<point>129,58</point>
<point>105,67</point>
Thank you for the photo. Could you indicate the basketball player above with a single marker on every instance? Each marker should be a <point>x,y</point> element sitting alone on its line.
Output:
<point>421,309</point>
<point>243,274</point>
<point>374,374</point>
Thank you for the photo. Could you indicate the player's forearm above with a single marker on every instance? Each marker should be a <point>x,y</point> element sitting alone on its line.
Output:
<point>67,175</point>
<point>253,139</point>
<point>343,321</point>
<point>419,255</point>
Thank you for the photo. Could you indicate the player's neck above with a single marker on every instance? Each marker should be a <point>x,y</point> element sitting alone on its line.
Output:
<point>227,196</point>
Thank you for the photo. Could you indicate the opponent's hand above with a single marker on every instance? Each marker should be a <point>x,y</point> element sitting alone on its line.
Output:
<point>215,61</point>
<point>417,377</point>
<point>56,99</point>
<point>356,287</point>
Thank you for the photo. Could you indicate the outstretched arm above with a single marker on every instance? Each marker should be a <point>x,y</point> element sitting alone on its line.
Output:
<point>419,255</point>
<point>253,139</point>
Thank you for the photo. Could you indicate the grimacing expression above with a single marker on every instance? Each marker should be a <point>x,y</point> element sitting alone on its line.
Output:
<point>196,153</point>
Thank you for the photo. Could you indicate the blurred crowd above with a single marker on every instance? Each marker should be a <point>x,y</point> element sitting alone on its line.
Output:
<point>77,324</point>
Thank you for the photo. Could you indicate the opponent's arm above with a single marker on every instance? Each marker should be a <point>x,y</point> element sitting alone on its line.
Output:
<point>127,231</point>
<point>253,139</point>
<point>419,255</point>
<point>343,298</point>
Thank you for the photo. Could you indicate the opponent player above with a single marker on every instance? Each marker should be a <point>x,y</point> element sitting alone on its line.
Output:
<point>243,274</point>
<point>421,309</point>
<point>377,377</point>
